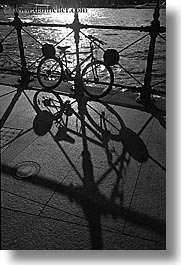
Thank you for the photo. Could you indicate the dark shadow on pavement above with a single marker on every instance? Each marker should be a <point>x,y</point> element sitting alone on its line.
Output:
<point>157,113</point>
<point>11,106</point>
<point>42,123</point>
<point>95,205</point>
<point>88,196</point>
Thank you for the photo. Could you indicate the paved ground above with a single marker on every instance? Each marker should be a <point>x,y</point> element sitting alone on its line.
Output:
<point>101,183</point>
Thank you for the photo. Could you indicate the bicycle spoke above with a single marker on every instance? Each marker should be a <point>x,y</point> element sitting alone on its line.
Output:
<point>98,79</point>
<point>104,119</point>
<point>50,72</point>
<point>47,101</point>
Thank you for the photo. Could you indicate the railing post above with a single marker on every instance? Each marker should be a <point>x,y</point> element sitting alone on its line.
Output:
<point>18,24</point>
<point>76,26</point>
<point>146,91</point>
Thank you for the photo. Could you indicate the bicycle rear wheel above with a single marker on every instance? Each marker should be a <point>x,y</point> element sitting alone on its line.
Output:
<point>49,72</point>
<point>105,119</point>
<point>98,79</point>
<point>48,101</point>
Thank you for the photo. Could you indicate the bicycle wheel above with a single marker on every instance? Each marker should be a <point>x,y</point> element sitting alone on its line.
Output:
<point>49,101</point>
<point>98,79</point>
<point>49,72</point>
<point>105,119</point>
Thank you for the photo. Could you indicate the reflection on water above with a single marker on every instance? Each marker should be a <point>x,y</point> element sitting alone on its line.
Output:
<point>134,58</point>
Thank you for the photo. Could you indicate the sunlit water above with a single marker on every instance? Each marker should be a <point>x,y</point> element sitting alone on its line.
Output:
<point>133,58</point>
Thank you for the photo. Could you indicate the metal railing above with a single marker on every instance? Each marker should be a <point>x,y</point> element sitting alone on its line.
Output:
<point>154,30</point>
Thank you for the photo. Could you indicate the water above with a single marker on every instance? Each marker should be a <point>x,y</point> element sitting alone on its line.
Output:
<point>133,59</point>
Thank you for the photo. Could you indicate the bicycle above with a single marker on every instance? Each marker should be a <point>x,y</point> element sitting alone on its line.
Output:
<point>97,76</point>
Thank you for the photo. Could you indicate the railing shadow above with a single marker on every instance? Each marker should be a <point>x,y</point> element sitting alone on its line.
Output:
<point>92,201</point>
<point>11,106</point>
<point>95,205</point>
<point>157,113</point>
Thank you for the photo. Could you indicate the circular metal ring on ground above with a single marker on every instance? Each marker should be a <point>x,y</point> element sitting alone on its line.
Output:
<point>26,169</point>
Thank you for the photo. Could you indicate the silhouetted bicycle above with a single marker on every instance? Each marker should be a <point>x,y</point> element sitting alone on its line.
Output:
<point>97,76</point>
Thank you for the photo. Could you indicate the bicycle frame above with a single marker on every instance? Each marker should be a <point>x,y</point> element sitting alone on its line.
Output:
<point>91,56</point>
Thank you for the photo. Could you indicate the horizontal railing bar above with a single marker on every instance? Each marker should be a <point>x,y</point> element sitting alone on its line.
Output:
<point>129,28</point>
<point>25,24</point>
<point>5,23</point>
<point>46,25</point>
<point>145,29</point>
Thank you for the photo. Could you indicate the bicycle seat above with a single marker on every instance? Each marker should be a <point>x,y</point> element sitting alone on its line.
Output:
<point>63,48</point>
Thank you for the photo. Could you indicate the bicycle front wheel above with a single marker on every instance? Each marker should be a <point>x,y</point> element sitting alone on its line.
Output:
<point>49,72</point>
<point>98,79</point>
<point>48,101</point>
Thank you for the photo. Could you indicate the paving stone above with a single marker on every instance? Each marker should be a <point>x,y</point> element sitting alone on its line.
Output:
<point>133,243</point>
<point>54,167</point>
<point>158,134</point>
<point>20,143</point>
<point>108,191</point>
<point>20,203</point>
<point>25,232</point>
<point>40,233</point>
<point>149,201</point>
<point>8,135</point>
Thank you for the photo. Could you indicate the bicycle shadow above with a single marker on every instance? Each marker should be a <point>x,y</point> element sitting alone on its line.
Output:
<point>132,146</point>
<point>92,201</point>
